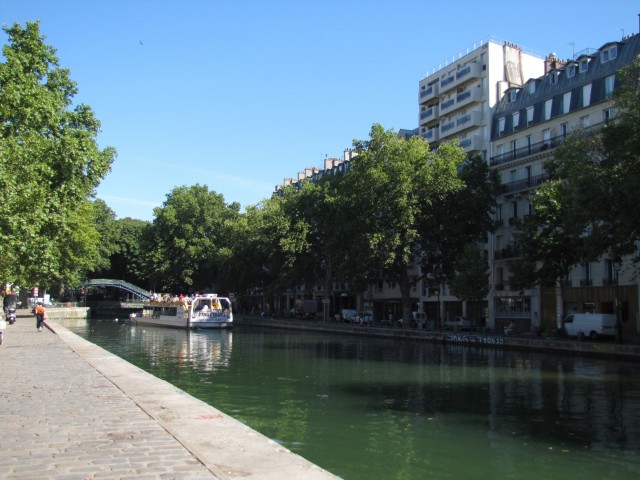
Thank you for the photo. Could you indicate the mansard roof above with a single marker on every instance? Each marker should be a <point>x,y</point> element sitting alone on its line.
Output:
<point>547,86</point>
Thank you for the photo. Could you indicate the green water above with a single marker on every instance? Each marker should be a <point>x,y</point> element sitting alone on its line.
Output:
<point>367,408</point>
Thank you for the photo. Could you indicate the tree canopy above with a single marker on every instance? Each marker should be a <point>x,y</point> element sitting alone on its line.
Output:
<point>190,241</point>
<point>50,165</point>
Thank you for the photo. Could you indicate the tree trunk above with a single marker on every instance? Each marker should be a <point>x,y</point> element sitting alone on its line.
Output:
<point>559,304</point>
<point>328,290</point>
<point>405,294</point>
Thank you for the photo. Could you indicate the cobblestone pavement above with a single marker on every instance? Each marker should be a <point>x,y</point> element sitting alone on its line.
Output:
<point>70,410</point>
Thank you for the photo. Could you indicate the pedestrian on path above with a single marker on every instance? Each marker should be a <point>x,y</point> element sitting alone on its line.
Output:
<point>3,325</point>
<point>41,314</point>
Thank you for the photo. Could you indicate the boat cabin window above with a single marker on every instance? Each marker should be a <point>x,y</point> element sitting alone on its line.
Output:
<point>205,305</point>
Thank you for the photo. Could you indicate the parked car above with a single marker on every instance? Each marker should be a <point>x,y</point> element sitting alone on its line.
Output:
<point>592,325</point>
<point>459,323</point>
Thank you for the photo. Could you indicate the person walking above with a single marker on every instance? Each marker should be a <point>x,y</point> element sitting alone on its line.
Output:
<point>40,312</point>
<point>3,325</point>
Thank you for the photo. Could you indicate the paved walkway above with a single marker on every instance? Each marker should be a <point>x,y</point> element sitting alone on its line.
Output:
<point>70,410</point>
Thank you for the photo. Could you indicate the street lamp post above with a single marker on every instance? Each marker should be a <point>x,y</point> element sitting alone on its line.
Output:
<point>616,268</point>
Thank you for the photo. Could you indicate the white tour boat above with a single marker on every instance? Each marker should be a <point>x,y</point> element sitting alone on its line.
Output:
<point>203,311</point>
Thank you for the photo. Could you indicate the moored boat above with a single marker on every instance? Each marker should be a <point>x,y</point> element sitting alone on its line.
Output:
<point>203,311</point>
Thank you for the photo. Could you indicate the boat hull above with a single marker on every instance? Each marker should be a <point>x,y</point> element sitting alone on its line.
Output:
<point>180,323</point>
<point>210,312</point>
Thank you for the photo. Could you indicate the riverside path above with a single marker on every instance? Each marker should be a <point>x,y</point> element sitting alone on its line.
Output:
<point>71,410</point>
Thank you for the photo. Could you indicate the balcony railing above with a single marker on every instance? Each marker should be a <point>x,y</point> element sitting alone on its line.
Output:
<point>526,151</point>
<point>537,147</point>
<point>447,81</point>
<point>426,91</point>
<point>509,251</point>
<point>447,103</point>
<point>426,113</point>
<point>524,184</point>
<point>431,135</point>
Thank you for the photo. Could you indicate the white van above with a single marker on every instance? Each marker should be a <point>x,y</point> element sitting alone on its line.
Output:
<point>420,318</point>
<point>592,325</point>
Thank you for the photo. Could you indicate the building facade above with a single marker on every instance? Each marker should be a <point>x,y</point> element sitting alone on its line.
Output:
<point>528,123</point>
<point>457,101</point>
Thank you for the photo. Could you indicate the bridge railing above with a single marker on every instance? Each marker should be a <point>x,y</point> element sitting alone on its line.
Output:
<point>129,287</point>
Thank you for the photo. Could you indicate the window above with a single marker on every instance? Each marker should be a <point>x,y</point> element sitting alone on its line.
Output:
<point>546,137</point>
<point>555,76</point>
<point>527,207</point>
<point>529,115</point>
<point>609,53</point>
<point>585,121</point>
<point>501,126</point>
<point>607,115</point>
<point>499,150</point>
<point>566,102</point>
<point>609,83</point>
<point>586,95</point>
<point>587,275</point>
<point>513,95</point>
<point>532,87</point>
<point>584,65</point>
<point>528,143</point>
<point>564,129</point>
<point>547,109</point>
<point>516,120</point>
<point>514,146</point>
<point>571,70</point>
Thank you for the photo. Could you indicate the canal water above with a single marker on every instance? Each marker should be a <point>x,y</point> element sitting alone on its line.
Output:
<point>367,408</point>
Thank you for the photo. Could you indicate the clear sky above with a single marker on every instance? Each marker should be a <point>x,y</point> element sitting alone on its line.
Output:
<point>239,95</point>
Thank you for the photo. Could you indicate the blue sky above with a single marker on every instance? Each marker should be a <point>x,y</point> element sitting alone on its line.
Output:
<point>240,95</point>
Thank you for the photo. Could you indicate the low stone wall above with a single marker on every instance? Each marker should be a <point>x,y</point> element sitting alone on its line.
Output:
<point>57,313</point>
<point>629,351</point>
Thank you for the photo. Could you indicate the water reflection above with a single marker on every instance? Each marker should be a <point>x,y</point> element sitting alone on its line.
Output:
<point>376,408</point>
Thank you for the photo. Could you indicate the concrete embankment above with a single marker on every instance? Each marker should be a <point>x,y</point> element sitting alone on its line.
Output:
<point>71,410</point>
<point>630,350</point>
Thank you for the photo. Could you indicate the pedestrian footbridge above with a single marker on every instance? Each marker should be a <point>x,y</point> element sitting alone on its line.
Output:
<point>121,284</point>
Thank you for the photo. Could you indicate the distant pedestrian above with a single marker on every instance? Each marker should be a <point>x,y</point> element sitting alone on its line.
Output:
<point>41,313</point>
<point>3,325</point>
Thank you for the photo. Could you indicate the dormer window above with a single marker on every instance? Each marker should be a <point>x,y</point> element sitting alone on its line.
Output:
<point>501,126</point>
<point>532,87</point>
<point>571,70</point>
<point>554,77</point>
<point>513,95</point>
<point>584,65</point>
<point>609,53</point>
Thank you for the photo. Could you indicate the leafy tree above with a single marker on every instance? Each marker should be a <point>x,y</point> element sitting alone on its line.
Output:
<point>550,241</point>
<point>191,241</point>
<point>584,211</point>
<point>50,165</point>
<point>471,278</point>
<point>455,220</point>
<point>121,246</point>
<point>602,172</point>
<point>393,185</point>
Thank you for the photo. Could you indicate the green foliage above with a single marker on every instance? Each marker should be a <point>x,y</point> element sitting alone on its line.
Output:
<point>122,247</point>
<point>50,165</point>
<point>550,241</point>
<point>191,241</point>
<point>409,205</point>
<point>471,278</point>
<point>456,217</point>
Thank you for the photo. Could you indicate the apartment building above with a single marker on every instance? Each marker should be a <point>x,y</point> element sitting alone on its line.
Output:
<point>529,122</point>
<point>456,101</point>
